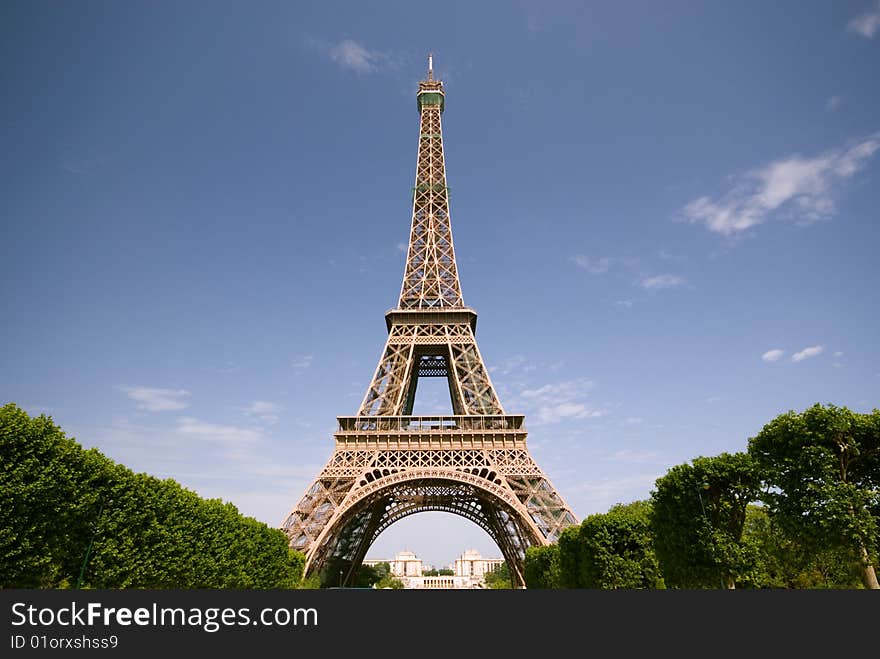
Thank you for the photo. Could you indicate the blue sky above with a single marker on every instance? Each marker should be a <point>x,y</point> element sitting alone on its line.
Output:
<point>664,213</point>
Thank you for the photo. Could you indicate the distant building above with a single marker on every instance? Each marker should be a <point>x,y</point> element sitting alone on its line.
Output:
<point>472,564</point>
<point>404,564</point>
<point>469,570</point>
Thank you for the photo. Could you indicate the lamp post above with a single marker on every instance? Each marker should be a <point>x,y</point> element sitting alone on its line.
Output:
<point>705,486</point>
<point>700,488</point>
<point>82,570</point>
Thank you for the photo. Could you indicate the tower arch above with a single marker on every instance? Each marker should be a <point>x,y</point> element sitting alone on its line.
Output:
<point>375,506</point>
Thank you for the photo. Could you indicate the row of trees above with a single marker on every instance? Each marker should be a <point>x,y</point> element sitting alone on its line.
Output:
<point>71,518</point>
<point>798,509</point>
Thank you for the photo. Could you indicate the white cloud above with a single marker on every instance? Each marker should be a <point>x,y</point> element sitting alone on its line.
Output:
<point>666,255</point>
<point>556,413</point>
<point>262,407</point>
<point>837,355</point>
<point>158,400</point>
<point>633,421</point>
<point>866,24</point>
<point>628,455</point>
<point>661,281</point>
<point>624,303</point>
<point>83,165</point>
<point>594,266</point>
<point>772,355</point>
<point>564,391</point>
<point>608,491</point>
<point>351,55</point>
<point>834,103</point>
<point>516,363</point>
<point>557,401</point>
<point>303,362</point>
<point>401,247</point>
<point>191,427</point>
<point>229,462</point>
<point>806,353</point>
<point>803,186</point>
<point>264,410</point>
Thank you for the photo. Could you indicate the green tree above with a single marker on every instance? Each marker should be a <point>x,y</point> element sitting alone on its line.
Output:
<point>389,581</point>
<point>542,567</point>
<point>822,471</point>
<point>698,513</point>
<point>784,562</point>
<point>71,517</point>
<point>47,510</point>
<point>498,577</point>
<point>570,558</point>
<point>618,549</point>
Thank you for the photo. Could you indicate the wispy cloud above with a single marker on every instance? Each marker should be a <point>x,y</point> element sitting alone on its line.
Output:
<point>262,407</point>
<point>534,21</point>
<point>772,355</point>
<point>228,462</point>
<point>264,411</point>
<point>595,266</point>
<point>517,363</point>
<point>629,455</point>
<point>401,247</point>
<point>837,357</point>
<point>556,413</point>
<point>624,303</point>
<point>661,281</point>
<point>834,103</point>
<point>158,400</point>
<point>666,255</point>
<point>802,186</point>
<point>559,390</point>
<point>558,401</point>
<point>191,427</point>
<point>806,353</point>
<point>82,165</point>
<point>866,24</point>
<point>303,362</point>
<point>611,490</point>
<point>354,56</point>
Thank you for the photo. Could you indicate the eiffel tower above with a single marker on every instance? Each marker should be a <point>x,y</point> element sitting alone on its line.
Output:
<point>388,464</point>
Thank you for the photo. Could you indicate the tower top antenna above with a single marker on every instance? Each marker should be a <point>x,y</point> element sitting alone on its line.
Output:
<point>430,66</point>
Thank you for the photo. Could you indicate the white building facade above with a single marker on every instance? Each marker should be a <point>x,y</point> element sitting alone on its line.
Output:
<point>472,564</point>
<point>469,570</point>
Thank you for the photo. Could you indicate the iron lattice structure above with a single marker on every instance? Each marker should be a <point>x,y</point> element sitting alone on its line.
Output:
<point>388,464</point>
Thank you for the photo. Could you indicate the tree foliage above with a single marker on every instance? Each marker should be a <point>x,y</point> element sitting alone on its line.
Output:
<point>785,562</point>
<point>382,577</point>
<point>618,549</point>
<point>570,557</point>
<point>822,469</point>
<point>609,551</point>
<point>61,504</point>
<point>698,515</point>
<point>542,567</point>
<point>499,577</point>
